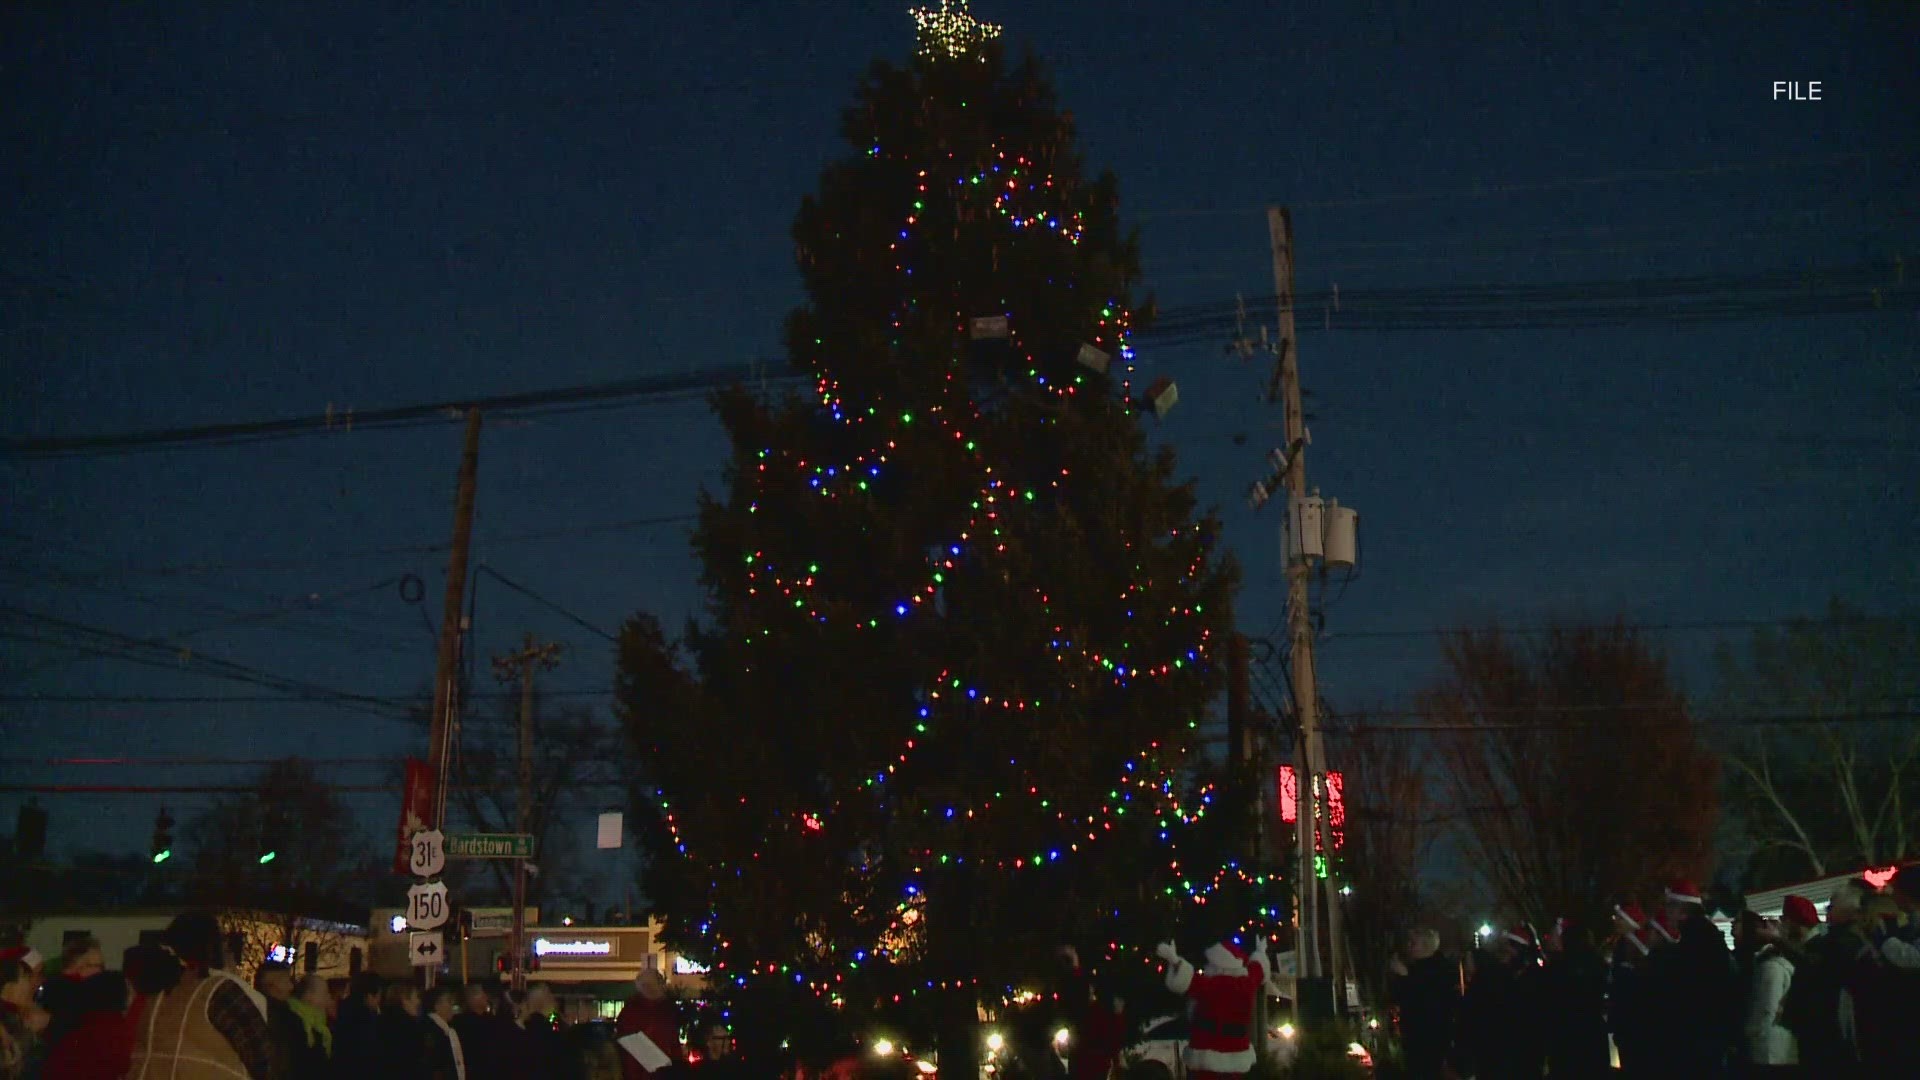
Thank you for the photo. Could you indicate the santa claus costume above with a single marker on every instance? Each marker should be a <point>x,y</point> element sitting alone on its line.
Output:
<point>1221,1002</point>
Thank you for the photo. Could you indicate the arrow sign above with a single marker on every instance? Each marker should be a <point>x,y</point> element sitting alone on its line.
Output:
<point>427,853</point>
<point>425,948</point>
<point>427,905</point>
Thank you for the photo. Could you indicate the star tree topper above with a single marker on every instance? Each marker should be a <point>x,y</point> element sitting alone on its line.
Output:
<point>951,31</point>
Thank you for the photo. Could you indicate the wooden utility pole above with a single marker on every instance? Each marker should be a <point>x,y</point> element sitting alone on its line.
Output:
<point>520,666</point>
<point>1286,386</point>
<point>446,673</point>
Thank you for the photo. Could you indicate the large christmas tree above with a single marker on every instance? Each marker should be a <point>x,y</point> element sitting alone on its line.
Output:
<point>963,620</point>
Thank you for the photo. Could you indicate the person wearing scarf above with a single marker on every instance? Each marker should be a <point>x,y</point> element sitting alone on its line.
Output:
<point>446,1058</point>
<point>313,1058</point>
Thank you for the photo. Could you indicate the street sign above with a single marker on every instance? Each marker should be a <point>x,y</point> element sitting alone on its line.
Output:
<point>428,853</point>
<point>490,846</point>
<point>425,948</point>
<point>427,906</point>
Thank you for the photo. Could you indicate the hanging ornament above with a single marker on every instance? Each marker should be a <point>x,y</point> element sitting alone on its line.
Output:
<point>989,328</point>
<point>1093,359</point>
<point>1160,397</point>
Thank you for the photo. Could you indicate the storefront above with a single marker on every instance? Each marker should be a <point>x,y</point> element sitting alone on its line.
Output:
<point>590,968</point>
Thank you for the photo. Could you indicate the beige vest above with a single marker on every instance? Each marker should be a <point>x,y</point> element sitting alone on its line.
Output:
<point>177,1038</point>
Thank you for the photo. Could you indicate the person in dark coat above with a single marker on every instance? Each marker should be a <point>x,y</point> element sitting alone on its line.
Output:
<point>1426,987</point>
<point>1629,1014</point>
<point>445,1057</point>
<point>533,1046</point>
<point>1496,1033</point>
<point>1098,1016</point>
<point>402,1033</point>
<point>1699,1017</point>
<point>356,1030</point>
<point>1574,1000</point>
<point>313,1058</point>
<point>62,996</point>
<point>284,1026</point>
<point>481,1035</point>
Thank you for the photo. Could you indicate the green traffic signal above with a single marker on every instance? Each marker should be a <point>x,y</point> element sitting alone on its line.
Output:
<point>162,856</point>
<point>268,857</point>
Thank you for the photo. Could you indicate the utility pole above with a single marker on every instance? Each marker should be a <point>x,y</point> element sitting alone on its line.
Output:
<point>520,666</point>
<point>1314,530</point>
<point>441,723</point>
<point>446,675</point>
<point>1286,386</point>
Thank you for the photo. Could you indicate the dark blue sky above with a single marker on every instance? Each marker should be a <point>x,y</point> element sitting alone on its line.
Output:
<point>230,212</point>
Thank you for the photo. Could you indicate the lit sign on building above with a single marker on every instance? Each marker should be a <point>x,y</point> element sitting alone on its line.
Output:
<point>543,947</point>
<point>684,966</point>
<point>279,954</point>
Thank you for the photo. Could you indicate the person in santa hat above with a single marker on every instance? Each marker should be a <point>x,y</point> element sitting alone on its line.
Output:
<point>1699,999</point>
<point>1500,1023</point>
<point>1221,998</point>
<point>1573,995</point>
<point>1629,997</point>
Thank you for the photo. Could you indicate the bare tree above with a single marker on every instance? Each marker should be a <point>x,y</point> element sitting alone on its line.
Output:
<point>283,864</point>
<point>1574,765</point>
<point>1835,783</point>
<point>1390,826</point>
<point>575,760</point>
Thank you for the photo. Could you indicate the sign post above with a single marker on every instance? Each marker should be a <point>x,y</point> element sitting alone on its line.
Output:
<point>424,948</point>
<point>427,906</point>
<point>427,903</point>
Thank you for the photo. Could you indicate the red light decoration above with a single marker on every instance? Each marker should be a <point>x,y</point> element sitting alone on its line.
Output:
<point>1337,809</point>
<point>1288,783</point>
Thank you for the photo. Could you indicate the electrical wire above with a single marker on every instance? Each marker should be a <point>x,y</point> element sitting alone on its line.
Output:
<point>530,403</point>
<point>116,645</point>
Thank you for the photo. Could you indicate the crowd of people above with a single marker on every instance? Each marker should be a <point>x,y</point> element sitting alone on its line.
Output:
<point>175,1011</point>
<point>1664,992</point>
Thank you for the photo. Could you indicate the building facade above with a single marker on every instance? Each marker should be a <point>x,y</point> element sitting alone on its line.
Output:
<point>312,946</point>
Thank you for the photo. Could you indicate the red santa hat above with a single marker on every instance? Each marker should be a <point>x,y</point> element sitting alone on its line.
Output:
<point>1226,956</point>
<point>28,957</point>
<point>1631,914</point>
<point>1661,926</point>
<point>1799,911</point>
<point>1520,936</point>
<point>1683,892</point>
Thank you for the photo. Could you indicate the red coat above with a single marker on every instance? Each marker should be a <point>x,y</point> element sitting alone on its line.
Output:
<point>1221,999</point>
<point>659,1021</point>
<point>100,1047</point>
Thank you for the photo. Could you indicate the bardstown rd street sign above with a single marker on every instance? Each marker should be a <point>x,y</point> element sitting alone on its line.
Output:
<point>489,846</point>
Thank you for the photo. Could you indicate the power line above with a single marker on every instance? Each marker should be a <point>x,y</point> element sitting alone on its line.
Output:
<point>302,561</point>
<point>116,645</point>
<point>537,598</point>
<point>247,432</point>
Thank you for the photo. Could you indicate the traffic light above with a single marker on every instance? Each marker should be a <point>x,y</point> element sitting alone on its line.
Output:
<point>269,857</point>
<point>162,837</point>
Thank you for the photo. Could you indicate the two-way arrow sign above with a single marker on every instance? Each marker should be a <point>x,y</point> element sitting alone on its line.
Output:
<point>424,948</point>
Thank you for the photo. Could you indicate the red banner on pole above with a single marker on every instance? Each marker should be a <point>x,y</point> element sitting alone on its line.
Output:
<point>416,811</point>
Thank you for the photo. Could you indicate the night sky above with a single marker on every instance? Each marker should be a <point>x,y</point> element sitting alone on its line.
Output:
<point>235,212</point>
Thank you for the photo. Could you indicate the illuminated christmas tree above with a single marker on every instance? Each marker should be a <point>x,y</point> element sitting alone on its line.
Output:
<point>963,619</point>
